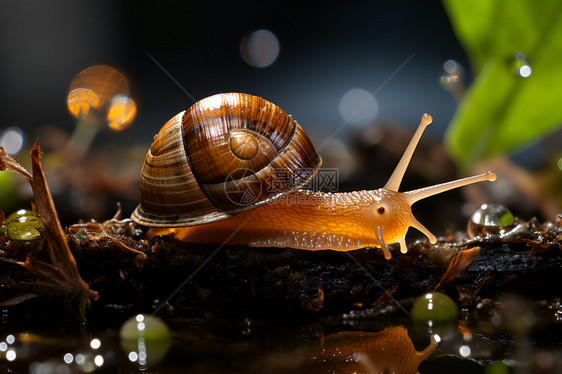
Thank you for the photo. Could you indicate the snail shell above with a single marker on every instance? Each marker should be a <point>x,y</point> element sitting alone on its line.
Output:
<point>226,154</point>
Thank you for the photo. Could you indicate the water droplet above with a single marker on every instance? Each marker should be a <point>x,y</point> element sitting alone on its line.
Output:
<point>490,219</point>
<point>521,65</point>
<point>247,327</point>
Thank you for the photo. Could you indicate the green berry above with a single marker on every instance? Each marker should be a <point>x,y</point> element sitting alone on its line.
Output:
<point>435,306</point>
<point>496,367</point>
<point>24,228</point>
<point>147,337</point>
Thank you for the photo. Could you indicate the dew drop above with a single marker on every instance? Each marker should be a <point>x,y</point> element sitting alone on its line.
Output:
<point>490,219</point>
<point>247,327</point>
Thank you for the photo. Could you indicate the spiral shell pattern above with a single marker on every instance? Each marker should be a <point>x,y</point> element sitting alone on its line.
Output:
<point>226,154</point>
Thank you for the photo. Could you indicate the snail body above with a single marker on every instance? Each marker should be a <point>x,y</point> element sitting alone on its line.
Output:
<point>255,198</point>
<point>305,220</point>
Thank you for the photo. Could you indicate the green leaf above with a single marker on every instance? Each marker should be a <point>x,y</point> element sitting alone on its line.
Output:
<point>503,111</point>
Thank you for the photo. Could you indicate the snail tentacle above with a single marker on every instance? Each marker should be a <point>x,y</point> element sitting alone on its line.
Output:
<point>393,183</point>
<point>380,238</point>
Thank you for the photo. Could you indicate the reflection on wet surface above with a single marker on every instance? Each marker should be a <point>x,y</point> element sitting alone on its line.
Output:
<point>387,351</point>
<point>214,343</point>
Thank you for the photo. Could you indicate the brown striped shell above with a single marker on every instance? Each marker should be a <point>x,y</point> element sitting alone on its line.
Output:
<point>226,154</point>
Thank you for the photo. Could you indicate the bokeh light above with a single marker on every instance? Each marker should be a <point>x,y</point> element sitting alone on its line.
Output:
<point>525,71</point>
<point>80,100</point>
<point>133,356</point>
<point>464,351</point>
<point>68,358</point>
<point>451,67</point>
<point>95,343</point>
<point>260,49</point>
<point>146,338</point>
<point>12,140</point>
<point>93,87</point>
<point>101,93</point>
<point>452,78</point>
<point>121,112</point>
<point>521,65</point>
<point>358,107</point>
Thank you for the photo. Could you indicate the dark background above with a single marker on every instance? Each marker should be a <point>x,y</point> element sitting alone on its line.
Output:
<point>327,48</point>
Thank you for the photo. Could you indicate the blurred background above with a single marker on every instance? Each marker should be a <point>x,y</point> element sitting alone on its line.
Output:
<point>336,67</point>
<point>323,49</point>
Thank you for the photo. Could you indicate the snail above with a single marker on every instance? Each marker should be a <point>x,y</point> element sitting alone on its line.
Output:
<point>230,170</point>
